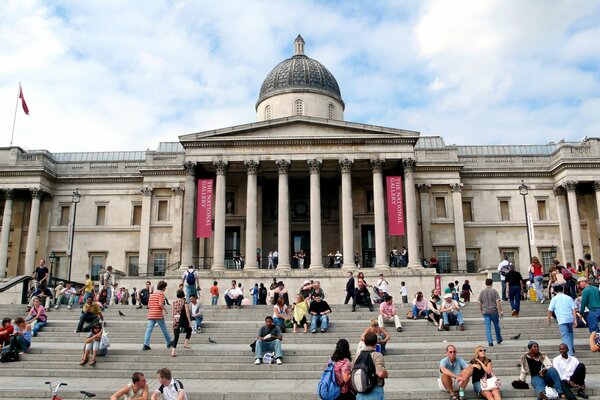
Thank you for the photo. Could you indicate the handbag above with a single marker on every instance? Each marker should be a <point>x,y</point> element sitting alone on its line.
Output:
<point>489,382</point>
<point>104,341</point>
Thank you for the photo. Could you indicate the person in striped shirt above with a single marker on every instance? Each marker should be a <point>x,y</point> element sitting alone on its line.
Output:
<point>156,315</point>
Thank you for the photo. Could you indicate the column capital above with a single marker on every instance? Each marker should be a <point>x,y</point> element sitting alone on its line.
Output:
<point>314,166</point>
<point>146,191</point>
<point>570,186</point>
<point>221,167</point>
<point>424,187</point>
<point>456,187</point>
<point>178,191</point>
<point>559,191</point>
<point>597,186</point>
<point>251,167</point>
<point>377,165</point>
<point>36,193</point>
<point>190,168</point>
<point>409,164</point>
<point>283,166</point>
<point>346,165</point>
<point>9,193</point>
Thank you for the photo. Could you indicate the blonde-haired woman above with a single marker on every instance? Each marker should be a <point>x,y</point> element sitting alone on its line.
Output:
<point>482,368</point>
<point>382,336</point>
<point>537,271</point>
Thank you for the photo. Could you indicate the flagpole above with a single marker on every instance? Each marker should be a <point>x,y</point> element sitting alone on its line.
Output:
<point>12,135</point>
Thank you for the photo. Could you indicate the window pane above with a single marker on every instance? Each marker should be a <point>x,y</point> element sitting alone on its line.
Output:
<point>64,215</point>
<point>541,204</point>
<point>133,267</point>
<point>160,264</point>
<point>511,256</point>
<point>472,257</point>
<point>546,259</point>
<point>268,113</point>
<point>137,216</point>
<point>440,207</point>
<point>443,257</point>
<point>504,211</point>
<point>97,264</point>
<point>299,107</point>
<point>467,211</point>
<point>163,210</point>
<point>100,215</point>
<point>331,111</point>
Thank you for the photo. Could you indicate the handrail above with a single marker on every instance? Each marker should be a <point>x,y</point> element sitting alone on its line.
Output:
<point>14,282</point>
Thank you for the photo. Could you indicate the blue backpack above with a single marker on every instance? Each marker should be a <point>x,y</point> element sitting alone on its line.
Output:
<point>328,389</point>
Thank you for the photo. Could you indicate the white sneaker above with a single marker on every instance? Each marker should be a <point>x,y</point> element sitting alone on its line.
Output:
<point>257,361</point>
<point>68,307</point>
<point>56,307</point>
<point>278,361</point>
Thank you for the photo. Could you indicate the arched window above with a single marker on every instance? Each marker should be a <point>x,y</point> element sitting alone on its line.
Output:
<point>267,113</point>
<point>299,107</point>
<point>331,113</point>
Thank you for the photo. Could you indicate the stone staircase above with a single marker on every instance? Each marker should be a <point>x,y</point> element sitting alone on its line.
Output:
<point>226,371</point>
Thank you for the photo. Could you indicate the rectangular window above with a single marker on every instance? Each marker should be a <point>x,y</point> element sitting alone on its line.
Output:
<point>542,213</point>
<point>96,265</point>
<point>444,259</point>
<point>467,206</point>
<point>133,262</point>
<point>60,266</point>
<point>504,210</point>
<point>136,217</point>
<point>100,215</point>
<point>163,210</point>
<point>546,259</point>
<point>160,263</point>
<point>65,213</point>
<point>511,254</point>
<point>440,207</point>
<point>472,261</point>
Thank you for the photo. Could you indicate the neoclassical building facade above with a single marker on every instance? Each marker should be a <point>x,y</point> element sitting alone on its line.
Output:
<point>301,178</point>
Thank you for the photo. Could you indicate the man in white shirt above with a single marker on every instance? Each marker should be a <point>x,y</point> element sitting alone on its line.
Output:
<point>275,258</point>
<point>190,282</point>
<point>234,295</point>
<point>570,370</point>
<point>382,286</point>
<point>170,388</point>
<point>67,292</point>
<point>503,263</point>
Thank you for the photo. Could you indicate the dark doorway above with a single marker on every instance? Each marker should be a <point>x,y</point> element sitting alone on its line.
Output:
<point>300,242</point>
<point>368,245</point>
<point>232,245</point>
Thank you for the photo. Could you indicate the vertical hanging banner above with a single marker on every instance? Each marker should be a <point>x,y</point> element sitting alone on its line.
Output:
<point>204,208</point>
<point>395,205</point>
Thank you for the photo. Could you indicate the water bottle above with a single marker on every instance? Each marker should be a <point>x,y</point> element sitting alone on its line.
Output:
<point>378,348</point>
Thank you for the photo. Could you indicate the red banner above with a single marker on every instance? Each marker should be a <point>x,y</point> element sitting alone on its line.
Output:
<point>395,205</point>
<point>204,208</point>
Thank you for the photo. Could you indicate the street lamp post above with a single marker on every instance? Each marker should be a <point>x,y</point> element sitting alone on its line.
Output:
<point>524,191</point>
<point>75,198</point>
<point>52,258</point>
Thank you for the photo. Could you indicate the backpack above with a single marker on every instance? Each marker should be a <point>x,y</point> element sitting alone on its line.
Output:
<point>328,388</point>
<point>505,269</point>
<point>567,274</point>
<point>263,292</point>
<point>190,278</point>
<point>9,356</point>
<point>363,375</point>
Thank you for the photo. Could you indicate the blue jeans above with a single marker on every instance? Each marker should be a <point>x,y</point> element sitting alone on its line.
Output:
<point>38,325</point>
<point>459,318</point>
<point>18,343</point>
<point>514,294</point>
<point>415,312</point>
<point>566,331</point>
<point>375,394</point>
<point>321,320</point>
<point>198,319</point>
<point>262,347</point>
<point>214,300</point>
<point>593,319</point>
<point>503,283</point>
<point>190,290</point>
<point>539,286</point>
<point>163,328</point>
<point>550,379</point>
<point>86,295</point>
<point>488,319</point>
<point>280,322</point>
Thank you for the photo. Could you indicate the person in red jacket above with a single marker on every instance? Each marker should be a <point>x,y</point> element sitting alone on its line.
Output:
<point>5,332</point>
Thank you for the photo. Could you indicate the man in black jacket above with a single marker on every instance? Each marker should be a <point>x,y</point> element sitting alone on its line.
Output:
<point>349,288</point>
<point>514,286</point>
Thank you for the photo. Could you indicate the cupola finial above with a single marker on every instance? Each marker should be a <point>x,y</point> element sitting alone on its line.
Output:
<point>299,46</point>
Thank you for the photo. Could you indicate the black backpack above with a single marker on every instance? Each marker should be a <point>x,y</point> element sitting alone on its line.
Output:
<point>190,278</point>
<point>364,377</point>
<point>263,292</point>
<point>9,356</point>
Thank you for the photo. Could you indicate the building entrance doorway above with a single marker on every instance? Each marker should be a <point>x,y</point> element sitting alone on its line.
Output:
<point>232,246</point>
<point>300,242</point>
<point>368,246</point>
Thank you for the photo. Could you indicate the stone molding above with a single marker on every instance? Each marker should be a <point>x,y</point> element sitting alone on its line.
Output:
<point>9,194</point>
<point>346,165</point>
<point>424,187</point>
<point>597,186</point>
<point>190,168</point>
<point>559,191</point>
<point>283,166</point>
<point>146,191</point>
<point>377,165</point>
<point>570,186</point>
<point>314,166</point>
<point>252,167</point>
<point>221,167</point>
<point>409,164</point>
<point>178,191</point>
<point>456,187</point>
<point>36,193</point>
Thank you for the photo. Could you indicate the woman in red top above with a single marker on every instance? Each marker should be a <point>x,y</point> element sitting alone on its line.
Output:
<point>214,293</point>
<point>156,315</point>
<point>342,369</point>
<point>537,270</point>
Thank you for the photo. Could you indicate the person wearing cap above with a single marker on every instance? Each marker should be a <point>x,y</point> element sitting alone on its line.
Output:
<point>541,370</point>
<point>571,371</point>
<point>566,316</point>
<point>387,311</point>
<point>590,298</point>
<point>320,310</point>
<point>451,310</point>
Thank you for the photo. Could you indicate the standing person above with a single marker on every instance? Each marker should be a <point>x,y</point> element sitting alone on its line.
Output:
<point>254,292</point>
<point>342,369</point>
<point>301,256</point>
<point>214,293</point>
<point>181,320</point>
<point>136,390</point>
<point>170,388</point>
<point>590,298</point>
<point>262,294</point>
<point>404,293</point>
<point>88,289</point>
<point>357,260</point>
<point>503,267</point>
<point>566,316</point>
<point>377,358</point>
<point>514,286</point>
<point>275,258</point>
<point>589,267</point>
<point>541,370</point>
<point>270,260</point>
<point>537,270</point>
<point>570,370</point>
<point>40,275</point>
<point>404,257</point>
<point>467,291</point>
<point>381,286</point>
<point>331,259</point>
<point>349,287</point>
<point>107,283</point>
<point>144,295</point>
<point>156,315</point>
<point>454,374</point>
<point>190,282</point>
<point>337,263</point>
<point>491,309</point>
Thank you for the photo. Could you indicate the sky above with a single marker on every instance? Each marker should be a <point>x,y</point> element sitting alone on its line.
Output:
<point>103,75</point>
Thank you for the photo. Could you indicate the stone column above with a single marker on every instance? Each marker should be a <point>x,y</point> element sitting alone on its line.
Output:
<point>34,217</point>
<point>145,230</point>
<point>570,187</point>
<point>459,227</point>
<point>177,221</point>
<point>219,237</point>
<point>316,250</point>
<point>411,213</point>
<point>347,215</point>
<point>566,245</point>
<point>251,212</point>
<point>283,215</point>
<point>379,214</point>
<point>189,205</point>
<point>597,189</point>
<point>425,197</point>
<point>5,236</point>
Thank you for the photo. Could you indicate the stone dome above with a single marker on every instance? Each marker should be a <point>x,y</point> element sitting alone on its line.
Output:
<point>299,74</point>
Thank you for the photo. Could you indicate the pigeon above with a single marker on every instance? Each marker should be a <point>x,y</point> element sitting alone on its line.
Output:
<point>516,337</point>
<point>121,314</point>
<point>211,340</point>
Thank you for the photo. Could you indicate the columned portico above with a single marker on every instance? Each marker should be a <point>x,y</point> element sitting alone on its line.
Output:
<point>145,229</point>
<point>459,226</point>
<point>411,213</point>
<point>379,214</point>
<point>571,187</point>
<point>566,244</point>
<point>425,197</point>
<point>5,236</point>
<point>36,196</point>
<point>178,193</point>
<point>219,239</point>
<point>251,210</point>
<point>316,256</point>
<point>597,190</point>
<point>347,215</point>
<point>283,216</point>
<point>187,234</point>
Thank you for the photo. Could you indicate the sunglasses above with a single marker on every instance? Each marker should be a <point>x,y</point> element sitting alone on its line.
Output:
<point>482,350</point>
<point>452,352</point>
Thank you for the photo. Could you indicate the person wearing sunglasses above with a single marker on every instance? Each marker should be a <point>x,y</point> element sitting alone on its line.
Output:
<point>483,379</point>
<point>454,374</point>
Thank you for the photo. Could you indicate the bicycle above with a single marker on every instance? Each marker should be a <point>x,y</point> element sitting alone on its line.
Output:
<point>55,390</point>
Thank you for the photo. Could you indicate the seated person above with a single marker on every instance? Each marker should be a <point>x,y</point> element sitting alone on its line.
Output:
<point>320,310</point>
<point>571,371</point>
<point>541,370</point>
<point>137,389</point>
<point>233,295</point>
<point>482,368</point>
<point>196,313</point>
<point>91,313</point>
<point>6,330</point>
<point>434,314</point>
<point>420,309</point>
<point>37,317</point>
<point>362,296</point>
<point>454,373</point>
<point>268,340</point>
<point>91,345</point>
<point>20,341</point>
<point>281,313</point>
<point>300,312</point>
<point>43,294</point>
<point>387,311</point>
<point>316,289</point>
<point>451,312</point>
<point>382,337</point>
<point>68,293</point>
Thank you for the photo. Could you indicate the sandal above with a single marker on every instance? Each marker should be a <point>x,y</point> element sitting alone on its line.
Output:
<point>454,397</point>
<point>92,363</point>
<point>82,362</point>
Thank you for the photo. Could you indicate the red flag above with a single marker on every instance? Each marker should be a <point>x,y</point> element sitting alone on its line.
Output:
<point>25,108</point>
